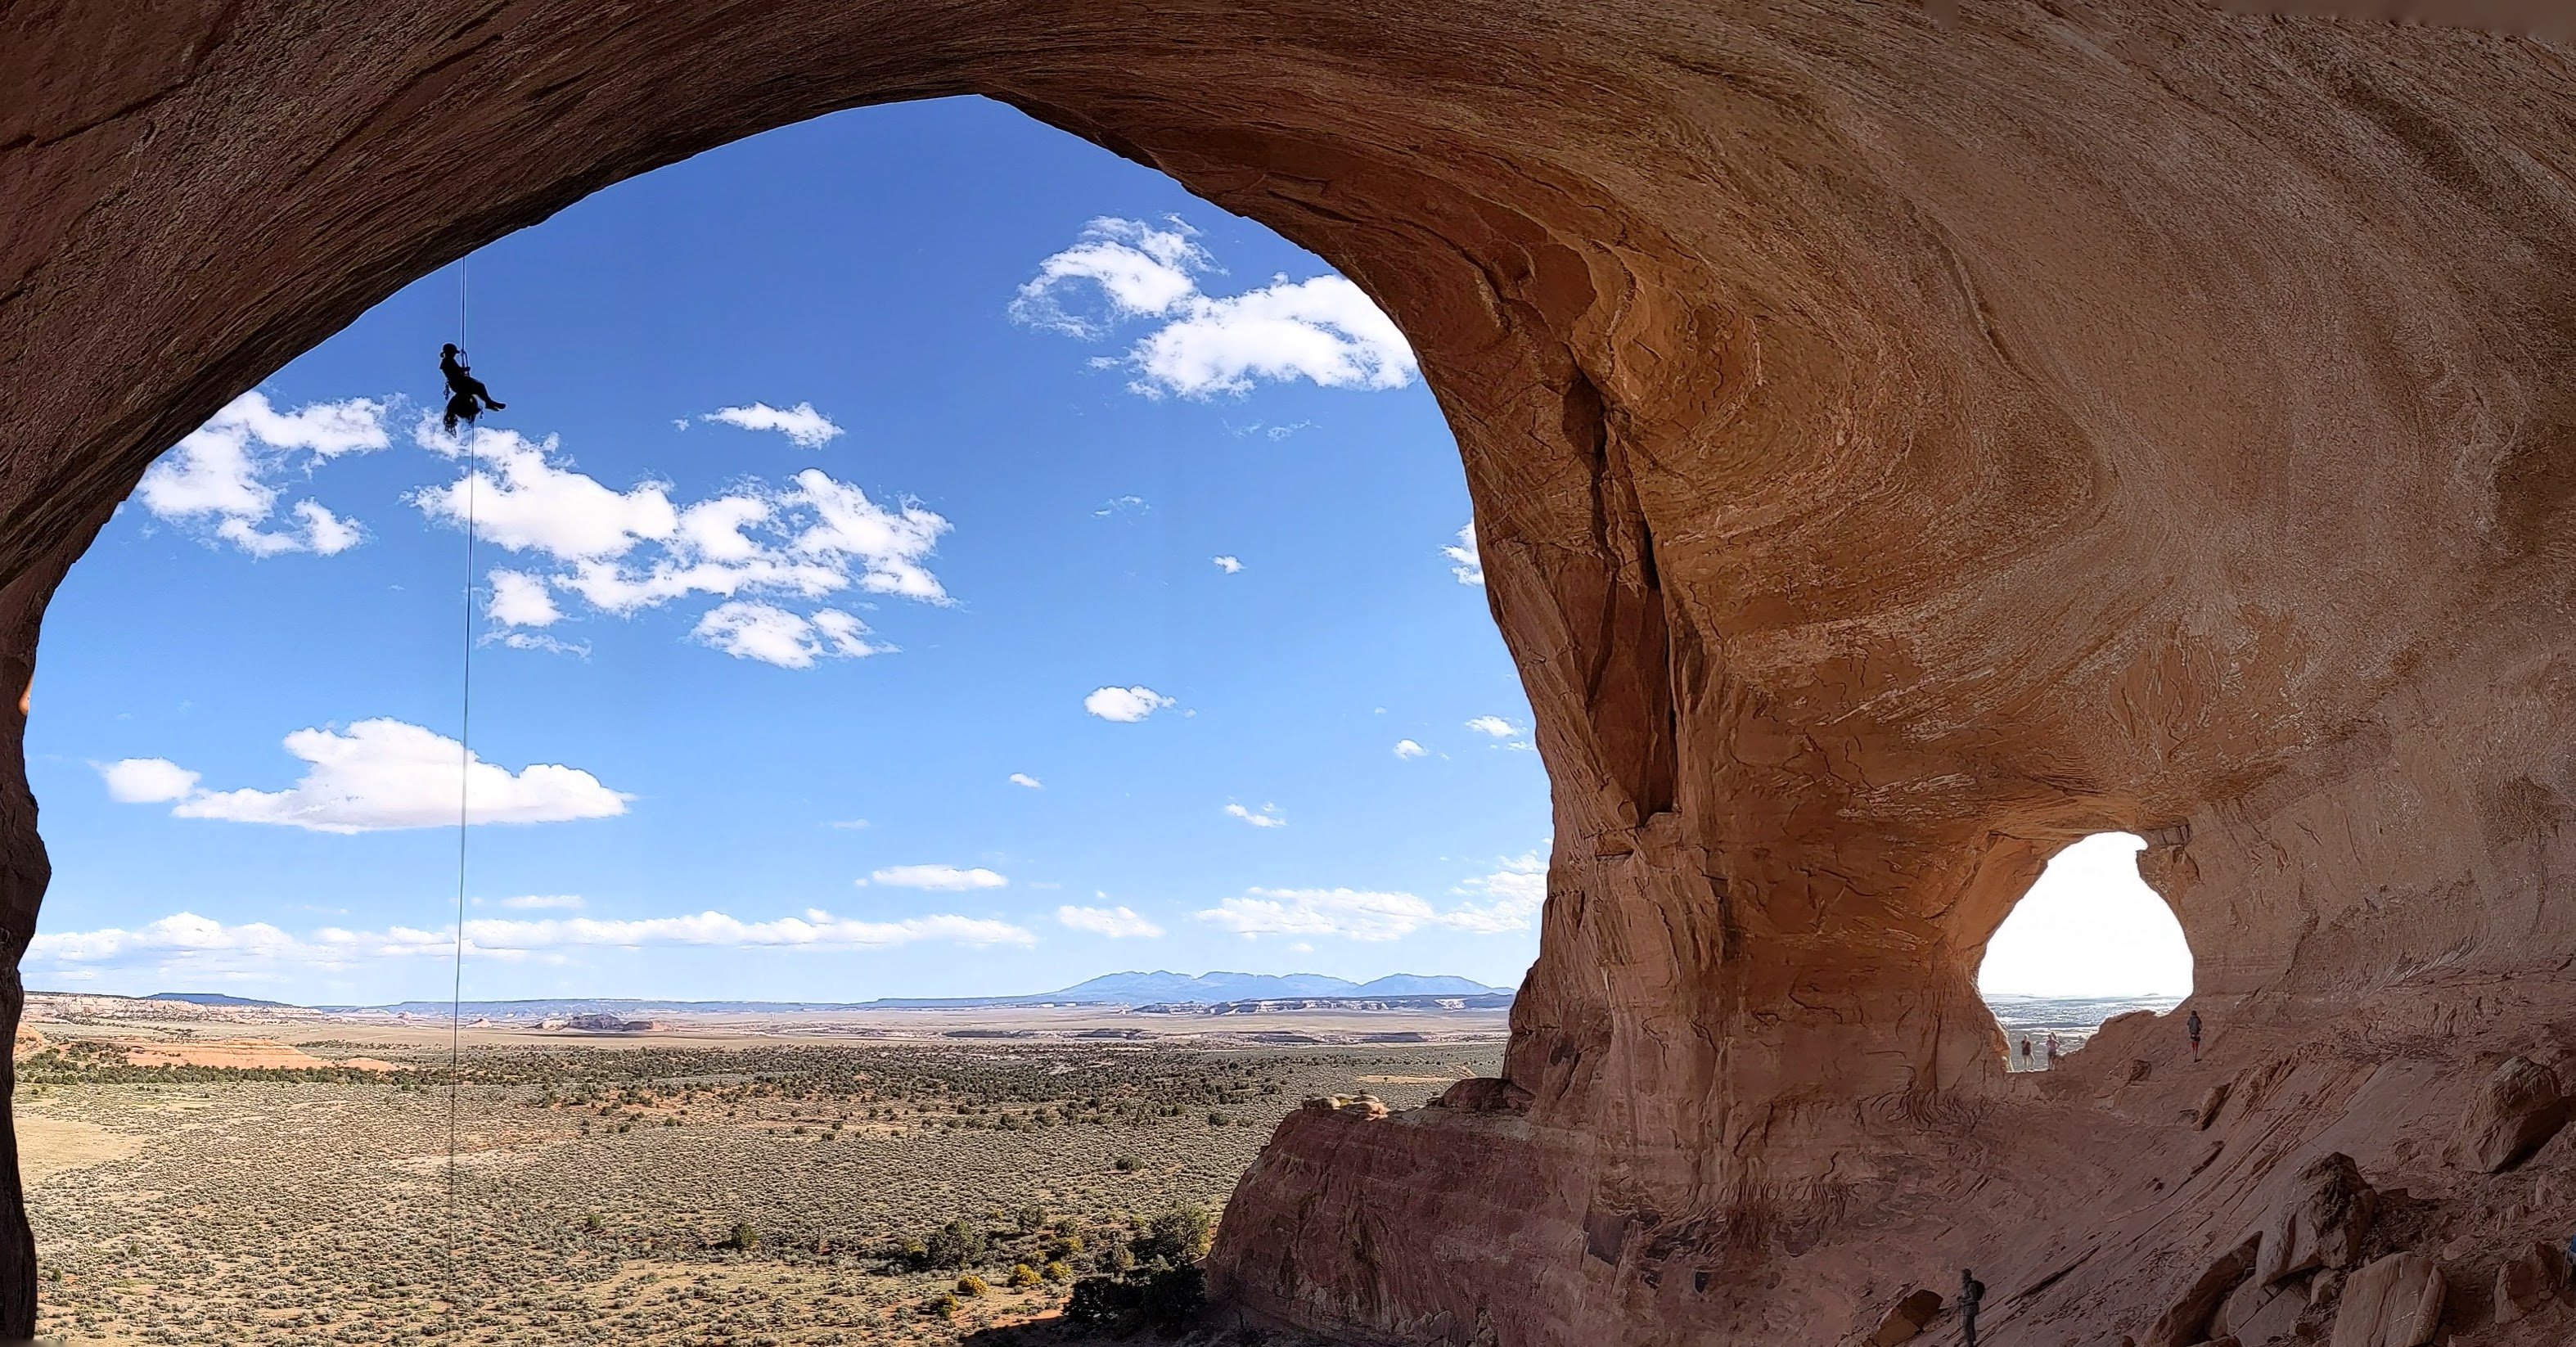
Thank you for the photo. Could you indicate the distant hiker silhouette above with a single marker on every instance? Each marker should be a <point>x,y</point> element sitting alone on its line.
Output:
<point>2192,1027</point>
<point>1971,1294</point>
<point>2025,1052</point>
<point>467,398</point>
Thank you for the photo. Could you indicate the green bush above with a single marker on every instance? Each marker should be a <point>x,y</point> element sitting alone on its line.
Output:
<point>944,1304</point>
<point>1023,1276</point>
<point>744,1237</point>
<point>1127,1164</point>
<point>1056,1270</point>
<point>972,1285</point>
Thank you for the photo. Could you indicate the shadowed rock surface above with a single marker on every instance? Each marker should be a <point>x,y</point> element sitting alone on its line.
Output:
<point>1903,441</point>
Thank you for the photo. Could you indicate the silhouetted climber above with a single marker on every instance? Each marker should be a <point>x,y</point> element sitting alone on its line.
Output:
<point>2025,1052</point>
<point>2192,1026</point>
<point>1971,1293</point>
<point>464,391</point>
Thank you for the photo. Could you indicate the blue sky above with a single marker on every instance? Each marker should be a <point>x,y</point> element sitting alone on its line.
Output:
<point>853,478</point>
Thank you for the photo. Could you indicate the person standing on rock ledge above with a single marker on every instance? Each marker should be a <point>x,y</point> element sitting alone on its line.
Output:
<point>1971,1293</point>
<point>2192,1026</point>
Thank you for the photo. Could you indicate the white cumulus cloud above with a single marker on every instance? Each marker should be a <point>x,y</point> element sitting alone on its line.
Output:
<point>1406,748</point>
<point>381,774</point>
<point>1125,705</point>
<point>1229,565</point>
<point>1323,329</point>
<point>1118,923</point>
<point>520,600</point>
<point>224,477</point>
<point>946,878</point>
<point>755,548</point>
<point>147,781</point>
<point>801,424</point>
<point>1267,816</point>
<point>1465,561</point>
<point>1493,725</point>
<point>1024,779</point>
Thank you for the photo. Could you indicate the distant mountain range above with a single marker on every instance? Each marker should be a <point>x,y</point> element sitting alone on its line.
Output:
<point>1114,989</point>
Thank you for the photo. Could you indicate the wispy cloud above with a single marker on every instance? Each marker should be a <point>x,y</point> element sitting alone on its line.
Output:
<point>1494,725</point>
<point>1406,748</point>
<point>185,943</point>
<point>1118,923</point>
<point>1323,329</point>
<point>1267,816</point>
<point>746,629</point>
<point>1505,900</point>
<point>224,477</point>
<point>947,878</point>
<point>1229,565</point>
<point>1024,779</point>
<point>378,776</point>
<point>801,424</point>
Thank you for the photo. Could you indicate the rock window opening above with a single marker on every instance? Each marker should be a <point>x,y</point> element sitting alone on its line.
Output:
<point>2089,941</point>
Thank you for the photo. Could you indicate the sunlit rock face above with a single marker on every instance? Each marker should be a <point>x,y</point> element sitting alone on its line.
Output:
<point>1900,443</point>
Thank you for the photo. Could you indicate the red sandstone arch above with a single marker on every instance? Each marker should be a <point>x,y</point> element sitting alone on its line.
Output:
<point>1861,409</point>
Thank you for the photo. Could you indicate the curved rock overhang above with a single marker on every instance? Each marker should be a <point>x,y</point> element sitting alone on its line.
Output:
<point>1902,441</point>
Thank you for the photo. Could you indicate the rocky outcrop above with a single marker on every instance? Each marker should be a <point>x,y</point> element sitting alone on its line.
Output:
<point>1904,438</point>
<point>2517,1113</point>
<point>2186,1321</point>
<point>2395,1302</point>
<point>2531,1280</point>
<point>1904,1320</point>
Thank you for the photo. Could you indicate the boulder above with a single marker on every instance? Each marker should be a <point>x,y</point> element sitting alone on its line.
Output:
<point>2258,1311</point>
<point>1484,1094</point>
<point>2529,1280</point>
<point>2320,1222</point>
<point>2395,1302</point>
<point>2186,1322</point>
<point>1906,1318</point>
<point>2519,1110</point>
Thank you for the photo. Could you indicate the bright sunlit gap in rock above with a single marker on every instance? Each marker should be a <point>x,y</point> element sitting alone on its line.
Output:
<point>2089,941</point>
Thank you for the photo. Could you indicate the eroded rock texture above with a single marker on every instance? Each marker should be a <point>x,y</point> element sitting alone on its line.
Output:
<point>1902,440</point>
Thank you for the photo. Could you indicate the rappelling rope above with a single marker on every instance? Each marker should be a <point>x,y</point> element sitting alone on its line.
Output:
<point>464,822</point>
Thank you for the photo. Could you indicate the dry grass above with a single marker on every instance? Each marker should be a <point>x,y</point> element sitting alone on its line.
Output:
<point>600,1190</point>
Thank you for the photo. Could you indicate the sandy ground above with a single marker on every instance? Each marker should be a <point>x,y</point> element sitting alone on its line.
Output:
<point>50,1146</point>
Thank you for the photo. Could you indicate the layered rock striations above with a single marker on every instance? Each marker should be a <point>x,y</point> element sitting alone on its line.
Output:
<point>1903,441</point>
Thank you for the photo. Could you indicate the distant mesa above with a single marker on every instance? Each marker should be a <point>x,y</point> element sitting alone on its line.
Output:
<point>214,999</point>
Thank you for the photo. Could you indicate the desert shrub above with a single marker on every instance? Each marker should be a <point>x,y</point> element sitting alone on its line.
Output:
<point>1127,1164</point>
<point>955,1244</point>
<point>1030,1219</point>
<point>1164,1300</point>
<point>1023,1276</point>
<point>945,1305</point>
<point>744,1237</point>
<point>1216,1119</point>
<point>1177,1235</point>
<point>1056,1270</point>
<point>972,1285</point>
